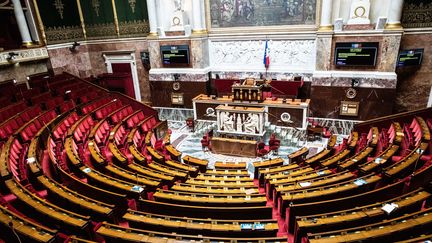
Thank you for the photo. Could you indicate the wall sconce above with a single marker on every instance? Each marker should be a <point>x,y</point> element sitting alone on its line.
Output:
<point>74,46</point>
<point>11,56</point>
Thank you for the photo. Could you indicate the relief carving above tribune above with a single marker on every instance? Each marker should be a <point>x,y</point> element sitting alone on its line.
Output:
<point>287,54</point>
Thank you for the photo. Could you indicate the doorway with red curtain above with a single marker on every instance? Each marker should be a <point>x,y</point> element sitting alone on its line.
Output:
<point>120,80</point>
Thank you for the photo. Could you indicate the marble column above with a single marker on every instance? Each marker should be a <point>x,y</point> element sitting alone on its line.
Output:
<point>151,10</point>
<point>326,16</point>
<point>31,21</point>
<point>197,20</point>
<point>395,14</point>
<point>22,23</point>
<point>160,12</point>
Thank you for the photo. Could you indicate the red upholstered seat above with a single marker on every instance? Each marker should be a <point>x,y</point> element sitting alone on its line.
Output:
<point>261,150</point>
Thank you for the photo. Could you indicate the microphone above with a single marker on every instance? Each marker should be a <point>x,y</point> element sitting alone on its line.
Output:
<point>13,230</point>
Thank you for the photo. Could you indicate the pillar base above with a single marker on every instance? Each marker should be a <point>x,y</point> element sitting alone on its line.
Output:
<point>27,44</point>
<point>199,32</point>
<point>326,28</point>
<point>393,26</point>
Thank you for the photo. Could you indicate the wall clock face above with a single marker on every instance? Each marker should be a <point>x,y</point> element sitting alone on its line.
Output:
<point>351,93</point>
<point>285,117</point>
<point>176,21</point>
<point>359,12</point>
<point>176,86</point>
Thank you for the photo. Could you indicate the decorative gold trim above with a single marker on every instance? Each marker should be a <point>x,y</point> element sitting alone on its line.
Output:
<point>27,43</point>
<point>199,32</point>
<point>394,26</point>
<point>40,23</point>
<point>326,28</point>
<point>152,34</point>
<point>116,22</point>
<point>81,19</point>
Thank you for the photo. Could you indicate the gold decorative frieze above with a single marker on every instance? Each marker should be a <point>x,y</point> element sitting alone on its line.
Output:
<point>23,55</point>
<point>106,30</point>
<point>417,15</point>
<point>63,34</point>
<point>134,28</point>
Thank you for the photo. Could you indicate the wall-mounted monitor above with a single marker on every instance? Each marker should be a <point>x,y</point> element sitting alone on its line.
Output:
<point>411,57</point>
<point>175,55</point>
<point>356,53</point>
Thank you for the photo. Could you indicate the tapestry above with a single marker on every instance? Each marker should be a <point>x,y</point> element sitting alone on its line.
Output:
<point>238,13</point>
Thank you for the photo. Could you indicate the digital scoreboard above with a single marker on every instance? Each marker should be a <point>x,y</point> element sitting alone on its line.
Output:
<point>175,55</point>
<point>412,57</point>
<point>356,54</point>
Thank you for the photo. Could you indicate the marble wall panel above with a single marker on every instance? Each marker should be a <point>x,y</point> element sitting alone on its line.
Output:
<point>307,76</point>
<point>374,102</point>
<point>414,83</point>
<point>155,54</point>
<point>161,92</point>
<point>387,52</point>
<point>248,55</point>
<point>88,60</point>
<point>22,70</point>
<point>323,52</point>
<point>76,63</point>
<point>199,53</point>
<point>98,62</point>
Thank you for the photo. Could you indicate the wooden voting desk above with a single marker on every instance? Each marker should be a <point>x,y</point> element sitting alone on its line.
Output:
<point>285,112</point>
<point>234,147</point>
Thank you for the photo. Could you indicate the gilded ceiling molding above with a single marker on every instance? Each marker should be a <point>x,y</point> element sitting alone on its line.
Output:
<point>40,23</point>
<point>81,18</point>
<point>116,22</point>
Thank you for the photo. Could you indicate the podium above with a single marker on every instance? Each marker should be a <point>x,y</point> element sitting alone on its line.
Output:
<point>240,120</point>
<point>249,91</point>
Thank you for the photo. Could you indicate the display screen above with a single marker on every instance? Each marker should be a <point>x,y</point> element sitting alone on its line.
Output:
<point>412,57</point>
<point>356,54</point>
<point>175,55</point>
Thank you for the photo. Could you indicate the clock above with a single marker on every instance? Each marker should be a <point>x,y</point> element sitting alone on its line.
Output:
<point>176,21</point>
<point>360,12</point>
<point>176,86</point>
<point>351,93</point>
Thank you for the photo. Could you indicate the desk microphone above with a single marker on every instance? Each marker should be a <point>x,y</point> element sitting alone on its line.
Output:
<point>13,230</point>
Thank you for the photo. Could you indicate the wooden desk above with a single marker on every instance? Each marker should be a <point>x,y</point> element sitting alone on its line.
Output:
<point>298,155</point>
<point>196,226</point>
<point>229,165</point>
<point>25,228</point>
<point>201,163</point>
<point>266,164</point>
<point>234,147</point>
<point>173,152</point>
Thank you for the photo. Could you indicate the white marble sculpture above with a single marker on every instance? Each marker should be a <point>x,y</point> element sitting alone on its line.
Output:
<point>359,12</point>
<point>228,122</point>
<point>248,55</point>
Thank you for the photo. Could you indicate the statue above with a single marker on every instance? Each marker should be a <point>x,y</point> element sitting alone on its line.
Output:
<point>251,123</point>
<point>178,5</point>
<point>228,122</point>
<point>239,124</point>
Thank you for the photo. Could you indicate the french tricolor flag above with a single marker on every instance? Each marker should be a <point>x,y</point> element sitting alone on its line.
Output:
<point>266,55</point>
